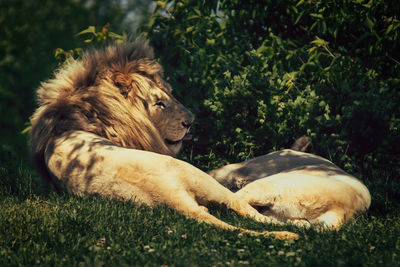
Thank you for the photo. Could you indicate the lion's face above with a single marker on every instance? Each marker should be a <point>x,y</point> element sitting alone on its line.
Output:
<point>170,117</point>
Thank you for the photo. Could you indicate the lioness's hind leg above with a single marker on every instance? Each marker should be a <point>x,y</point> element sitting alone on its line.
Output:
<point>332,219</point>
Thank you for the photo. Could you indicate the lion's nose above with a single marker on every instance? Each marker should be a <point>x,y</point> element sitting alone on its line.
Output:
<point>187,124</point>
<point>188,121</point>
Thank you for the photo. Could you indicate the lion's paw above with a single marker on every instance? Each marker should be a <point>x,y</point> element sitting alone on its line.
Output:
<point>282,235</point>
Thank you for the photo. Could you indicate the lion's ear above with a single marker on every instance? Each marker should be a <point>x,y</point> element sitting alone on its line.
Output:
<point>123,82</point>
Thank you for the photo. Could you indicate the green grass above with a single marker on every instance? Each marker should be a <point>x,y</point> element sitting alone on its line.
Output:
<point>39,227</point>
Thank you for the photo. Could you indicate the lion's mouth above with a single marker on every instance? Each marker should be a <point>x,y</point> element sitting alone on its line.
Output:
<point>187,137</point>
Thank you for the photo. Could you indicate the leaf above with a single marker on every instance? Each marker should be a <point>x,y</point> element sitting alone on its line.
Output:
<point>197,11</point>
<point>59,51</point>
<point>299,17</point>
<point>319,42</point>
<point>323,27</point>
<point>369,4</point>
<point>335,33</point>
<point>312,49</point>
<point>160,5</point>
<point>90,29</point>
<point>369,23</point>
<point>315,15</point>
<point>115,36</point>
<point>210,41</point>
<point>313,26</point>
<point>389,29</point>
<point>151,21</point>
<point>189,29</point>
<point>27,129</point>
<point>193,17</point>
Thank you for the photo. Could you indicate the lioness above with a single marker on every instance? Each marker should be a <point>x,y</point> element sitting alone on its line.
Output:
<point>297,187</point>
<point>108,124</point>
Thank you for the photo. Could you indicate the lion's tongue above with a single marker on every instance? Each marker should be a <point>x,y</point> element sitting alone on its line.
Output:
<point>187,137</point>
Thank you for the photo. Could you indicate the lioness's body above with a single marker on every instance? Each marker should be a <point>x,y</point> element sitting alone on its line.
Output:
<point>297,187</point>
<point>109,125</point>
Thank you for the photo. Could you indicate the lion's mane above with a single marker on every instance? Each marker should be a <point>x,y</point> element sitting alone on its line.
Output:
<point>103,93</point>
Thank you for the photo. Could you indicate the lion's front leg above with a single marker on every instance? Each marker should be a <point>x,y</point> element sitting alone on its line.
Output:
<point>206,189</point>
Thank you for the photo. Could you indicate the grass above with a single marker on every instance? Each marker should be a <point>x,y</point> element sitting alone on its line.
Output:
<point>42,228</point>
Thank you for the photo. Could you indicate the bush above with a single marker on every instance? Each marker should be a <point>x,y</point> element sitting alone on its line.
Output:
<point>267,72</point>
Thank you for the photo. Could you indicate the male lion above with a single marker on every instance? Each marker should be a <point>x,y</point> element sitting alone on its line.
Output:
<point>108,124</point>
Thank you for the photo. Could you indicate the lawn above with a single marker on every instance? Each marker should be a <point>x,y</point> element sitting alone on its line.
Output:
<point>41,227</point>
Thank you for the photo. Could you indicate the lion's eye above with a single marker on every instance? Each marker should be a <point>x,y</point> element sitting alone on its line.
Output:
<point>160,104</point>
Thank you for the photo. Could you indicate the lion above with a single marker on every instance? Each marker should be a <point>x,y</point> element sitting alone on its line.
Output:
<point>297,187</point>
<point>107,124</point>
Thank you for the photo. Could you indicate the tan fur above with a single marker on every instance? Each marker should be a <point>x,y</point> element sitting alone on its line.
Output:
<point>108,124</point>
<point>297,187</point>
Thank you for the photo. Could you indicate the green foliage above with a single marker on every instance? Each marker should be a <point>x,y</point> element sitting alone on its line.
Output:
<point>100,38</point>
<point>261,73</point>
